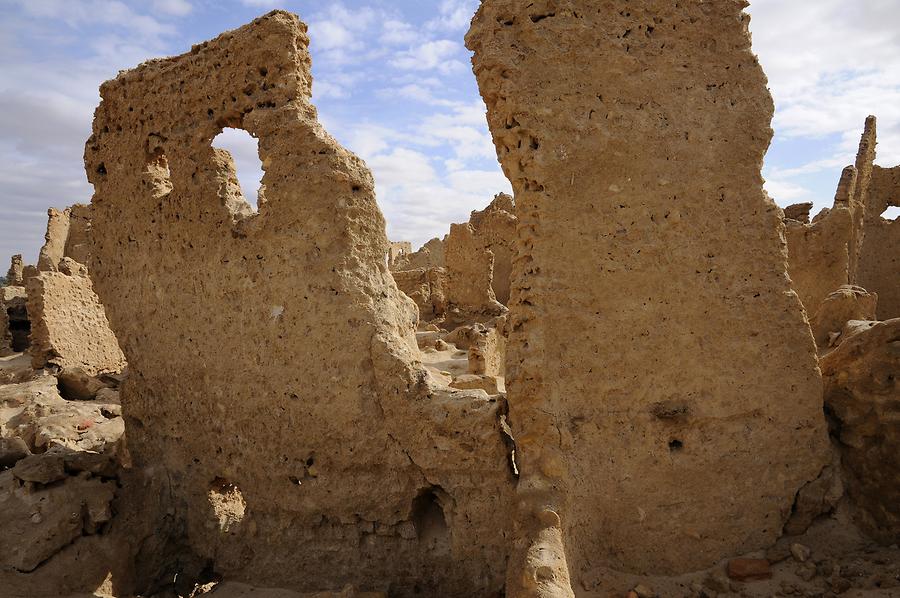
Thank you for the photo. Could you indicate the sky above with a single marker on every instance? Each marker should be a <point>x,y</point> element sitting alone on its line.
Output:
<point>393,83</point>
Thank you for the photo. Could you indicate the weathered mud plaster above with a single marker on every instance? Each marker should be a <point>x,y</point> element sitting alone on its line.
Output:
<point>662,378</point>
<point>273,372</point>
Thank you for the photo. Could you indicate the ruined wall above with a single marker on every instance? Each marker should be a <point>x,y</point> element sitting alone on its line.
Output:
<point>654,336</point>
<point>54,248</point>
<point>878,267</point>
<point>819,252</point>
<point>427,287</point>
<point>429,255</point>
<point>69,328</point>
<point>470,267</point>
<point>14,276</point>
<point>495,230</point>
<point>397,250</point>
<point>273,371</point>
<point>78,239</point>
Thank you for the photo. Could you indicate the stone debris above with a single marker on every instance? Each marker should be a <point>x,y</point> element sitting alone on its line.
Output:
<point>314,411</point>
<point>607,325</point>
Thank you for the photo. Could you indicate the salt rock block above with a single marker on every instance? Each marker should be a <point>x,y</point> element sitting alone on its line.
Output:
<point>651,273</point>
<point>69,328</point>
<point>862,391</point>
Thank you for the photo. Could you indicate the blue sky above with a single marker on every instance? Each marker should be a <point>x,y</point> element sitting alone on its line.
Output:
<point>393,84</point>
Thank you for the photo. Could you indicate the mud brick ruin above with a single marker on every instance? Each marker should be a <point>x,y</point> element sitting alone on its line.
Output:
<point>636,376</point>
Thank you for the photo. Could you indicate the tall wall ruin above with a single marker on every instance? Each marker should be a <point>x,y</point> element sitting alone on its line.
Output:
<point>851,243</point>
<point>663,387</point>
<point>274,379</point>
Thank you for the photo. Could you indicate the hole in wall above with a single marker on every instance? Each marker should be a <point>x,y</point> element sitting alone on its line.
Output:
<point>427,515</point>
<point>675,445</point>
<point>158,175</point>
<point>244,150</point>
<point>227,503</point>
<point>891,213</point>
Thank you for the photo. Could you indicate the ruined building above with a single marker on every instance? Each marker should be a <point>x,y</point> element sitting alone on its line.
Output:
<point>851,243</point>
<point>637,377</point>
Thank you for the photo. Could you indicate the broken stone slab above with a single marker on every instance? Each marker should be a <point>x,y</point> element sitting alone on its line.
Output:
<point>862,394</point>
<point>45,468</point>
<point>39,522</point>
<point>69,328</point>
<point>306,394</point>
<point>648,272</point>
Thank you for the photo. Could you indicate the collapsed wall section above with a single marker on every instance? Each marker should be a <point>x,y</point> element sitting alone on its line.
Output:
<point>662,379</point>
<point>273,371</point>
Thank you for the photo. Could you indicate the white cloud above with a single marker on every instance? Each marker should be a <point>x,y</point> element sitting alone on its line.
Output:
<point>454,15</point>
<point>179,8</point>
<point>437,55</point>
<point>261,3</point>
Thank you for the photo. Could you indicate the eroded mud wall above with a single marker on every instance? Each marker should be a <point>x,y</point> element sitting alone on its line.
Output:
<point>273,374</point>
<point>662,378</point>
<point>878,268</point>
